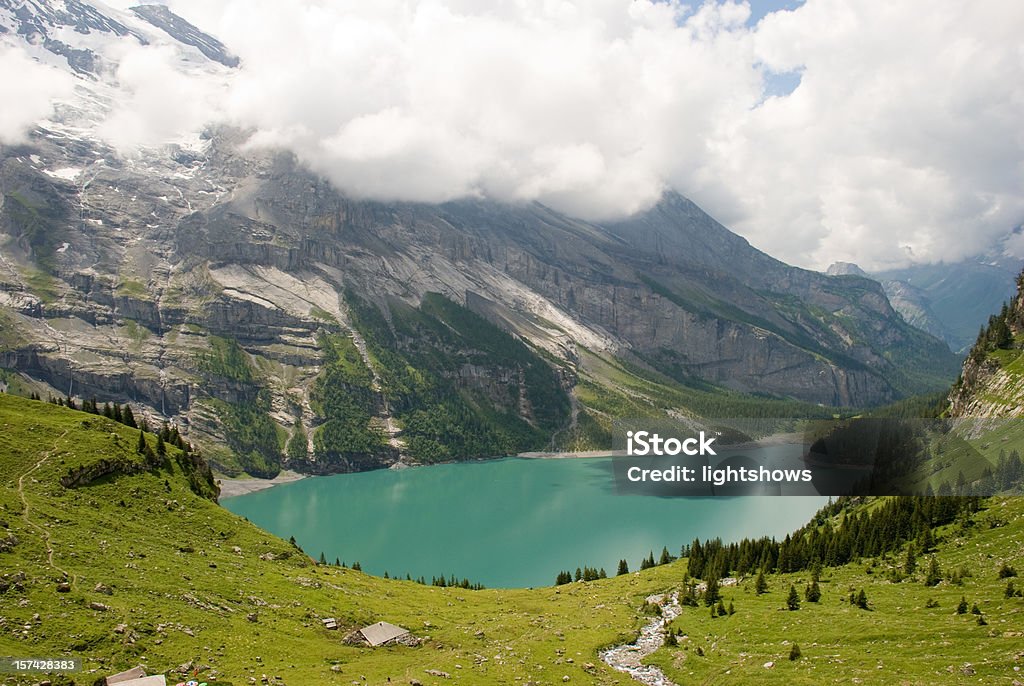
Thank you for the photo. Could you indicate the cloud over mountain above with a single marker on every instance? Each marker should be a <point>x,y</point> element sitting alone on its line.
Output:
<point>902,141</point>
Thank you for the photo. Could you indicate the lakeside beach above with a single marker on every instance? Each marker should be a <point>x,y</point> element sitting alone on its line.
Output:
<point>230,487</point>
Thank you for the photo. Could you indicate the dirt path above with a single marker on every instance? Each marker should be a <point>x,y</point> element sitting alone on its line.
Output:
<point>27,508</point>
<point>628,658</point>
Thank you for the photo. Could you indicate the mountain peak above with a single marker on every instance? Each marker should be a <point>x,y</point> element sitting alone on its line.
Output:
<point>184,32</point>
<point>845,269</point>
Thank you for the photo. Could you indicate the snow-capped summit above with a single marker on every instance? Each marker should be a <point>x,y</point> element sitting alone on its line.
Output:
<point>80,34</point>
<point>184,32</point>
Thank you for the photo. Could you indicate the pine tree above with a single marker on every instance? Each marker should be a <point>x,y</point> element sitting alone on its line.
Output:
<point>794,652</point>
<point>862,600</point>
<point>720,608</point>
<point>813,592</point>
<point>128,417</point>
<point>712,595</point>
<point>934,575</point>
<point>357,567</point>
<point>665,557</point>
<point>161,447</point>
<point>760,586</point>
<point>116,414</point>
<point>732,610</point>
<point>927,540</point>
<point>961,608</point>
<point>911,562</point>
<point>142,443</point>
<point>793,600</point>
<point>623,568</point>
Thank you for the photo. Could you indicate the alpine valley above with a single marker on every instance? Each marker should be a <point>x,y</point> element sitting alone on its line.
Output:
<point>208,308</point>
<point>277,322</point>
<point>114,553</point>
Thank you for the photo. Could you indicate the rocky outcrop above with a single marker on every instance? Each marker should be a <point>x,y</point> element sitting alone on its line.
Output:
<point>991,384</point>
<point>986,389</point>
<point>86,474</point>
<point>181,30</point>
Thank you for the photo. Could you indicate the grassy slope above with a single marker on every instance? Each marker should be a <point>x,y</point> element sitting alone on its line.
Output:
<point>159,591</point>
<point>899,641</point>
<point>136,549</point>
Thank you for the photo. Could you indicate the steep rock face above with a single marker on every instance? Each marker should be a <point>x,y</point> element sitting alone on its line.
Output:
<point>987,390</point>
<point>184,32</point>
<point>140,267</point>
<point>672,279</point>
<point>991,384</point>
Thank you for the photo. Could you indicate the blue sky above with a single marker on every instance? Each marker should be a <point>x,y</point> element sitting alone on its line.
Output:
<point>759,8</point>
<point>784,83</point>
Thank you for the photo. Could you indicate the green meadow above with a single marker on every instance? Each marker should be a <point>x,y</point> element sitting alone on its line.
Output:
<point>160,576</point>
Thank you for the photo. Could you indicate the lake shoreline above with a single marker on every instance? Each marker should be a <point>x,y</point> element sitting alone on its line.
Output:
<point>231,487</point>
<point>579,455</point>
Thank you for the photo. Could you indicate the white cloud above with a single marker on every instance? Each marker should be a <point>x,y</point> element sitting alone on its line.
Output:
<point>30,90</point>
<point>901,143</point>
<point>591,107</point>
<point>158,101</point>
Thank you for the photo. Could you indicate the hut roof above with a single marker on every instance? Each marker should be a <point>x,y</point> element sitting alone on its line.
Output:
<point>382,632</point>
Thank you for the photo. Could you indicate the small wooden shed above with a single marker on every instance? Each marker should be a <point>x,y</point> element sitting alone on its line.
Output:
<point>381,633</point>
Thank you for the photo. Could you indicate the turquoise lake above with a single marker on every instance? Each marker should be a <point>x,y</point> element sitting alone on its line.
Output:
<point>512,522</point>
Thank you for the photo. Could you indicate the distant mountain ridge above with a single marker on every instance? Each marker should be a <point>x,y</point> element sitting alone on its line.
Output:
<point>949,301</point>
<point>184,32</point>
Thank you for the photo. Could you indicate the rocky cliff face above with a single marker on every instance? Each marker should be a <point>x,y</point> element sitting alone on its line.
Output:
<point>123,279</point>
<point>134,271</point>
<point>991,384</point>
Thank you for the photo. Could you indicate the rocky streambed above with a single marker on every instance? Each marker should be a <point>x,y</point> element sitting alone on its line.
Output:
<point>628,658</point>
